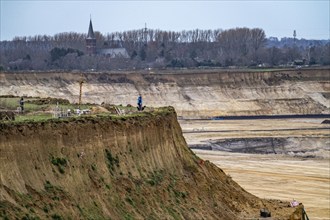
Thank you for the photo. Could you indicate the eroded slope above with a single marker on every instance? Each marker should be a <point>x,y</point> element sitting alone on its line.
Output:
<point>193,93</point>
<point>101,167</point>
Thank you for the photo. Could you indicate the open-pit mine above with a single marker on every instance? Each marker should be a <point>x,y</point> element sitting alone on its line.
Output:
<point>237,144</point>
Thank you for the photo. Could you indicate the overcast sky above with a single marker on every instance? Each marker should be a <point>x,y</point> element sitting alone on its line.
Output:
<point>278,18</point>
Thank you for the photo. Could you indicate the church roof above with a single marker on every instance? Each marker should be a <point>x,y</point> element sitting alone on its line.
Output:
<point>90,34</point>
<point>115,52</point>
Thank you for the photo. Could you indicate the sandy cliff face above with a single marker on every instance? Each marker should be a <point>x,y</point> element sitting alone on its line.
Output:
<point>193,93</point>
<point>101,167</point>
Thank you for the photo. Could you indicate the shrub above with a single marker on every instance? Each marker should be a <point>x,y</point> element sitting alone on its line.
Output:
<point>56,217</point>
<point>60,163</point>
<point>111,161</point>
<point>156,178</point>
<point>48,186</point>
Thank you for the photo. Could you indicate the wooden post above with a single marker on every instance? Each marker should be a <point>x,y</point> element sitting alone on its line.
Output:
<point>80,91</point>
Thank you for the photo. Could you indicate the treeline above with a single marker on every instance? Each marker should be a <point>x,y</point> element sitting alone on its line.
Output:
<point>162,49</point>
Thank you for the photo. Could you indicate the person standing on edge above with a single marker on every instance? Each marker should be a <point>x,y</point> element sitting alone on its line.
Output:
<point>139,103</point>
<point>21,104</point>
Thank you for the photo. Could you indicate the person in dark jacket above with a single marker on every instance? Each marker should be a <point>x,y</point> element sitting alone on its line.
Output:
<point>21,104</point>
<point>139,103</point>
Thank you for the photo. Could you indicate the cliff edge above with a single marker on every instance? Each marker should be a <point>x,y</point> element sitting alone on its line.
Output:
<point>115,167</point>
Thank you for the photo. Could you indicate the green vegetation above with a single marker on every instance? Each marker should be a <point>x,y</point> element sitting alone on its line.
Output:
<point>179,194</point>
<point>41,110</point>
<point>128,216</point>
<point>111,161</point>
<point>48,186</point>
<point>36,109</point>
<point>36,118</point>
<point>31,104</point>
<point>156,178</point>
<point>173,213</point>
<point>130,201</point>
<point>60,163</point>
<point>45,209</point>
<point>10,103</point>
<point>93,166</point>
<point>28,217</point>
<point>56,217</point>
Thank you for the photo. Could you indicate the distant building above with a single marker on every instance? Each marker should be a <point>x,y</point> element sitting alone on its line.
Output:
<point>90,40</point>
<point>114,52</point>
<point>91,49</point>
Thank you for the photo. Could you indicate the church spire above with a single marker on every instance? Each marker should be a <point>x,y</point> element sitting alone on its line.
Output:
<point>90,40</point>
<point>90,34</point>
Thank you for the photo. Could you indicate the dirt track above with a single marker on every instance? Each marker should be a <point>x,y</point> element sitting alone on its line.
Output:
<point>303,175</point>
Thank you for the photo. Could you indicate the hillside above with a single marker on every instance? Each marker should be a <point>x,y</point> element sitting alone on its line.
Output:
<point>193,93</point>
<point>111,167</point>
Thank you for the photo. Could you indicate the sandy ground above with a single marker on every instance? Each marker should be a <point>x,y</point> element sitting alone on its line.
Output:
<point>274,176</point>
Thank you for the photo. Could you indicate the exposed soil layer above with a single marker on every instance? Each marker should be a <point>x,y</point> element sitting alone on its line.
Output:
<point>193,93</point>
<point>101,167</point>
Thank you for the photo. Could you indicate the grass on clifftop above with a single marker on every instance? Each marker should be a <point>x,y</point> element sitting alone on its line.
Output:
<point>41,110</point>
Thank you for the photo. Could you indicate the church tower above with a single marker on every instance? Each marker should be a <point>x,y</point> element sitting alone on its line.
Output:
<point>90,40</point>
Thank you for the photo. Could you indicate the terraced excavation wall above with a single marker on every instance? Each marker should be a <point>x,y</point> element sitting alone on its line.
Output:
<point>193,93</point>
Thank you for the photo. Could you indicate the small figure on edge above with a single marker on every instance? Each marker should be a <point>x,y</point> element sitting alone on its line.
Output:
<point>21,104</point>
<point>139,103</point>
